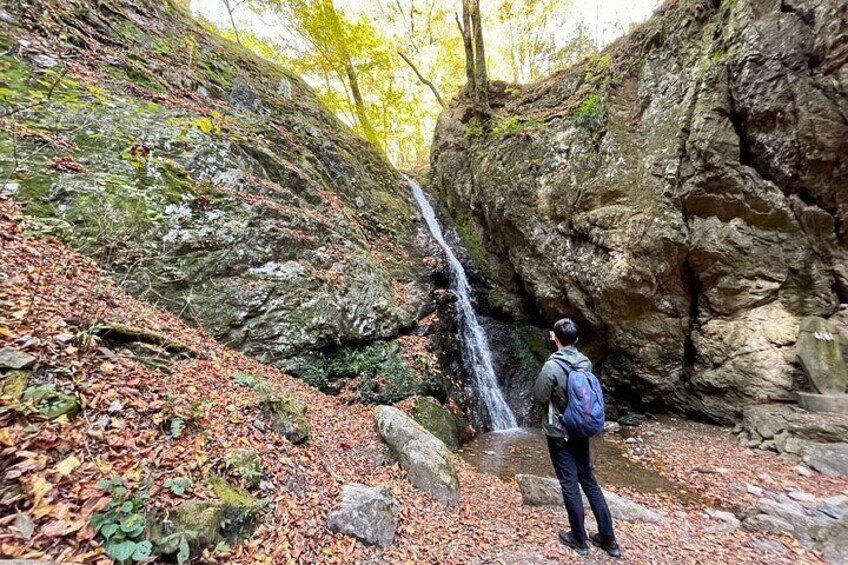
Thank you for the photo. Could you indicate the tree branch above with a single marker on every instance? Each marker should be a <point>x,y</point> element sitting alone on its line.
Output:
<point>421,78</point>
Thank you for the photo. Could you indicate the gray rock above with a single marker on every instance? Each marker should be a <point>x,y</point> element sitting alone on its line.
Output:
<point>729,520</point>
<point>755,490</point>
<point>558,222</point>
<point>425,458</point>
<point>827,458</point>
<point>14,359</point>
<point>831,511</point>
<point>835,403</point>
<point>820,352</point>
<point>802,496</point>
<point>44,62</point>
<point>8,18</point>
<point>764,545</point>
<point>543,491</point>
<point>287,417</point>
<point>244,96</point>
<point>787,510</point>
<point>802,471</point>
<point>839,500</point>
<point>379,455</point>
<point>539,491</point>
<point>791,429</point>
<point>370,514</point>
<point>767,523</point>
<point>612,427</point>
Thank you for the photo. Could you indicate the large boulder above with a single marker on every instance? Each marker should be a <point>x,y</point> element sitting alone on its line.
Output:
<point>437,420</point>
<point>424,457</point>
<point>544,491</point>
<point>819,349</point>
<point>827,458</point>
<point>684,196</point>
<point>816,524</point>
<point>787,428</point>
<point>369,514</point>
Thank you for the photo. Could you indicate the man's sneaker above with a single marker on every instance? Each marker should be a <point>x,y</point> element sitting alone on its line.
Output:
<point>610,546</point>
<point>567,538</point>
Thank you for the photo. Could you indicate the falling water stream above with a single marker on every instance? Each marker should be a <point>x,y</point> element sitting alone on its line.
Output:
<point>472,336</point>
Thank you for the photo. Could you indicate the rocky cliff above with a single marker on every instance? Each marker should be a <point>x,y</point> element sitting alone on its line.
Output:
<point>215,184</point>
<point>684,195</point>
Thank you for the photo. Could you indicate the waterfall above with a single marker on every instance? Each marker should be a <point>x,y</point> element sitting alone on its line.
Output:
<point>472,337</point>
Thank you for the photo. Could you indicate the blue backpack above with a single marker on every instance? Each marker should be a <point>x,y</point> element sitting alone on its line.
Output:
<point>584,415</point>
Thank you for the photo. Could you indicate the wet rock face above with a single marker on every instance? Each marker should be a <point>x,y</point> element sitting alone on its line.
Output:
<point>224,191</point>
<point>673,195</point>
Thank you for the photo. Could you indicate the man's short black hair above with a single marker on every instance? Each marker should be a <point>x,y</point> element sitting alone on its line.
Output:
<point>565,331</point>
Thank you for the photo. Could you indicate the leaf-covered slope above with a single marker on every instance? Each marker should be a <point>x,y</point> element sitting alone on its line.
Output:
<point>203,177</point>
<point>684,195</point>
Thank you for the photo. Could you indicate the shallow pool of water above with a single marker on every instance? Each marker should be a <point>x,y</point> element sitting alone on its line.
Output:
<point>506,454</point>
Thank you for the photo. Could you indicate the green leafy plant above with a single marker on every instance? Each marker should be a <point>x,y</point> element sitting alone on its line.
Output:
<point>122,524</point>
<point>180,540</point>
<point>178,485</point>
<point>245,379</point>
<point>177,427</point>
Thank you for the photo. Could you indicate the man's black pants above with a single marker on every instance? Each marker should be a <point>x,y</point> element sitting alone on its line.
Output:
<point>572,465</point>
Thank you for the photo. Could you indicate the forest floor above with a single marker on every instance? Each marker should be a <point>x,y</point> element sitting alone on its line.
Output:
<point>50,297</point>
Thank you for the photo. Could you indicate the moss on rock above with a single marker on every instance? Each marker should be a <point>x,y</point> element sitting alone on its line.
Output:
<point>287,418</point>
<point>230,494</point>
<point>437,420</point>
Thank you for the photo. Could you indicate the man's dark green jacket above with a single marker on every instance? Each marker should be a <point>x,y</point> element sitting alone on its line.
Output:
<point>551,387</point>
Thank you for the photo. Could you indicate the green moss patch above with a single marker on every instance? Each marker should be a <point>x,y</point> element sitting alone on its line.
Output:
<point>437,420</point>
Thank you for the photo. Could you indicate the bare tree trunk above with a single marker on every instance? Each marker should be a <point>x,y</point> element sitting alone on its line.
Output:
<point>465,30</point>
<point>230,7</point>
<point>481,78</point>
<point>359,105</point>
<point>423,80</point>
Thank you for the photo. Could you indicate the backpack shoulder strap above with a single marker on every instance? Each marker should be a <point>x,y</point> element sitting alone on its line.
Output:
<point>563,364</point>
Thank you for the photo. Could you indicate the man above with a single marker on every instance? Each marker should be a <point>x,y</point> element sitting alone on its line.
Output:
<point>570,456</point>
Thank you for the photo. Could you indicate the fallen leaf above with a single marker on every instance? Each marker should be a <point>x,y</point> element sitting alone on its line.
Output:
<point>67,465</point>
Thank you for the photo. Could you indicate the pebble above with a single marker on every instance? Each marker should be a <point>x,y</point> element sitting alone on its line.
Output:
<point>755,490</point>
<point>765,478</point>
<point>802,471</point>
<point>726,517</point>
<point>630,440</point>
